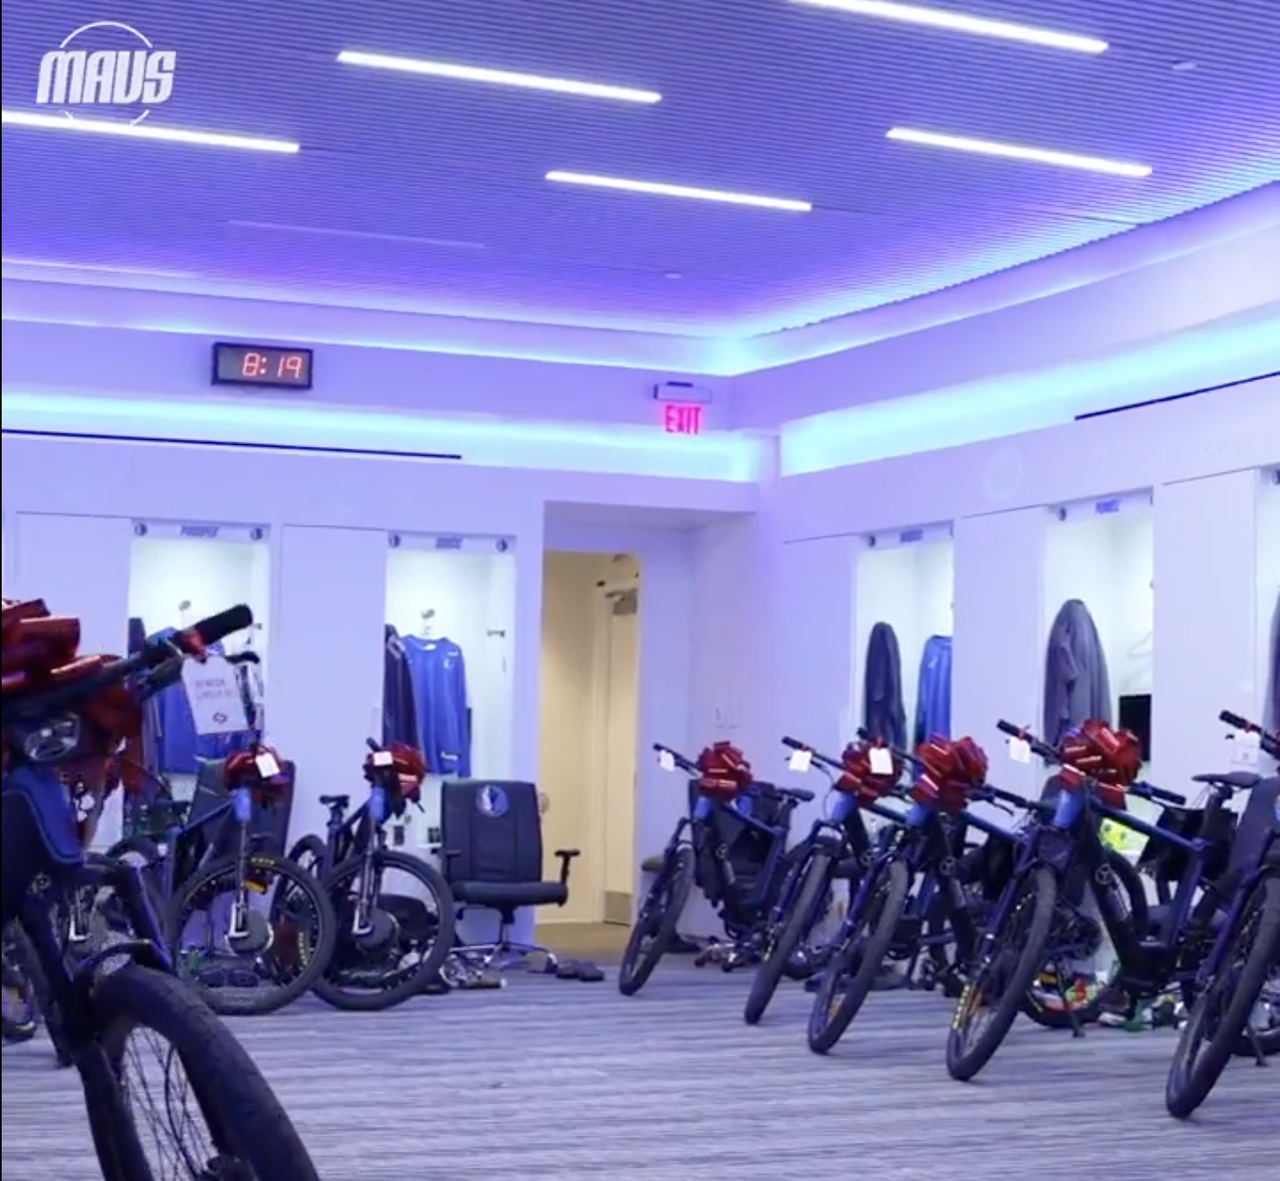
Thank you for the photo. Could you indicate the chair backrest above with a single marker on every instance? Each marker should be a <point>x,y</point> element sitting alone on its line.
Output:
<point>492,829</point>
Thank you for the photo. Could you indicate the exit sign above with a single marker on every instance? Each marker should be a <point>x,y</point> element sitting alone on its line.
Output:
<point>682,418</point>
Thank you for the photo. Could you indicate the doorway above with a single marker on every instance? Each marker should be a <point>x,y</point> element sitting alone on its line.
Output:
<point>588,727</point>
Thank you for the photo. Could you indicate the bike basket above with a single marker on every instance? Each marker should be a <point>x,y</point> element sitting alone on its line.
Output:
<point>1163,859</point>
<point>723,772</point>
<point>858,779</point>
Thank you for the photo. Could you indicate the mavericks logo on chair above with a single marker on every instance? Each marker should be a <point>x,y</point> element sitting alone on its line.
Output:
<point>492,801</point>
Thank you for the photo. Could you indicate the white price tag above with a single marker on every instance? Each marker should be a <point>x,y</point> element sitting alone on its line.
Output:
<point>666,760</point>
<point>383,758</point>
<point>881,761</point>
<point>801,761</point>
<point>213,692</point>
<point>1020,750</point>
<point>1246,748</point>
<point>268,768</point>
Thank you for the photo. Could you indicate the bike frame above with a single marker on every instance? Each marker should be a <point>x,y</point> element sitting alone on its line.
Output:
<point>361,834</point>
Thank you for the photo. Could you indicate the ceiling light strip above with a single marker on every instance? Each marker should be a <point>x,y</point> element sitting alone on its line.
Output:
<point>210,139</point>
<point>984,147</point>
<point>959,22</point>
<point>653,188</point>
<point>408,65</point>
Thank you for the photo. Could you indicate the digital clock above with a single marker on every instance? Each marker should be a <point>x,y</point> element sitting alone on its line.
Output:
<point>263,365</point>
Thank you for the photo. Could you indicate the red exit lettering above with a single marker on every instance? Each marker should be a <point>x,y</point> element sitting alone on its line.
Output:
<point>682,418</point>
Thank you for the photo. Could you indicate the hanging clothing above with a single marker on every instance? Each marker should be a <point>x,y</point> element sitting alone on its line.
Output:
<point>933,700</point>
<point>399,711</point>
<point>439,675</point>
<point>883,713</point>
<point>1076,683</point>
<point>1275,668</point>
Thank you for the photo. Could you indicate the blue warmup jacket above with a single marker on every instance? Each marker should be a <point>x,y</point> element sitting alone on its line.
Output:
<point>883,713</point>
<point>439,675</point>
<point>933,702</point>
<point>1076,684</point>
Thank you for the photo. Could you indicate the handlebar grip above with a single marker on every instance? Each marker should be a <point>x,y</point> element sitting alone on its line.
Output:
<point>1009,728</point>
<point>793,743</point>
<point>1235,720</point>
<point>1159,793</point>
<point>864,735</point>
<point>218,627</point>
<point>372,744</point>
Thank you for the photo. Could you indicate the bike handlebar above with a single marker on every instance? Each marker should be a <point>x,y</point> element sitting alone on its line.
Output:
<point>684,764</point>
<point>1269,741</point>
<point>1149,791</point>
<point>865,735</point>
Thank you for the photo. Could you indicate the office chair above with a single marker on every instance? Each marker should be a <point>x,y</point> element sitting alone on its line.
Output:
<point>492,857</point>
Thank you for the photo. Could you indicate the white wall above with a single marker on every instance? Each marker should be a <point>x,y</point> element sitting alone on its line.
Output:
<point>1000,495</point>
<point>908,587</point>
<point>1268,615</point>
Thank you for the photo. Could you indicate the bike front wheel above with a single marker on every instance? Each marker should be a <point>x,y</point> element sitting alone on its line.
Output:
<point>402,944</point>
<point>851,972</point>
<point>999,981</point>
<point>253,946</point>
<point>246,1133</point>
<point>655,925</point>
<point>1221,1011</point>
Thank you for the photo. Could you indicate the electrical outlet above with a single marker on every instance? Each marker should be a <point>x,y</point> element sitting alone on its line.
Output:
<point>434,836</point>
<point>397,836</point>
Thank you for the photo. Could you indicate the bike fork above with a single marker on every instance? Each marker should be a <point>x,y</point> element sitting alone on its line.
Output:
<point>360,923</point>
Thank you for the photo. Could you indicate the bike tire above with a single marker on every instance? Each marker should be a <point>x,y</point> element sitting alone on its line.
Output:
<point>325,937</point>
<point>245,1119</point>
<point>1040,892</point>
<point>311,853</point>
<point>832,1014</point>
<point>330,990</point>
<point>1192,1077</point>
<point>675,880</point>
<point>1139,918</point>
<point>23,1024</point>
<point>802,913</point>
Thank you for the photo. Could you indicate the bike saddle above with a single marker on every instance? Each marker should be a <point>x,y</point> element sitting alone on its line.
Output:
<point>1236,780</point>
<point>335,801</point>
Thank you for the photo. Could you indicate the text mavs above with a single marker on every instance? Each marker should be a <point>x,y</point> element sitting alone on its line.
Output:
<point>114,77</point>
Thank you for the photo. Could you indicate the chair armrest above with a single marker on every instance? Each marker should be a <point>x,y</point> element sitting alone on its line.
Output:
<point>446,858</point>
<point>566,861</point>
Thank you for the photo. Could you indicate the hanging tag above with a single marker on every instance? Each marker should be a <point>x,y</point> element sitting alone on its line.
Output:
<point>267,766</point>
<point>213,692</point>
<point>1020,750</point>
<point>666,760</point>
<point>383,758</point>
<point>1246,748</point>
<point>881,761</point>
<point>800,761</point>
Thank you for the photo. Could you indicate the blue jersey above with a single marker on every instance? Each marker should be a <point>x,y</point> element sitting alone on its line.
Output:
<point>439,676</point>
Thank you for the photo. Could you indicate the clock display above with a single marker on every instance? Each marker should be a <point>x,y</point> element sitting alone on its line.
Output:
<point>262,365</point>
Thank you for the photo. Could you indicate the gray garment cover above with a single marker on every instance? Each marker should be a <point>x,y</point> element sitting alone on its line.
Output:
<point>1076,685</point>
<point>883,711</point>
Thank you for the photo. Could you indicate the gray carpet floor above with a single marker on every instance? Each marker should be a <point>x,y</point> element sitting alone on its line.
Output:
<point>553,1079</point>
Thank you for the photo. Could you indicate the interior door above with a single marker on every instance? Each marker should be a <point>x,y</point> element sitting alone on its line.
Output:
<point>620,737</point>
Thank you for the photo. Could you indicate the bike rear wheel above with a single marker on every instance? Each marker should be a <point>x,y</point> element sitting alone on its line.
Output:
<point>409,940</point>
<point>803,911</point>
<point>999,981</point>
<point>1220,1012</point>
<point>311,853</point>
<point>264,958</point>
<point>250,1137</point>
<point>655,925</point>
<point>851,972</point>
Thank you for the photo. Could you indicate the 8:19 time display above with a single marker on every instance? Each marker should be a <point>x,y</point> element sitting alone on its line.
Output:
<point>261,365</point>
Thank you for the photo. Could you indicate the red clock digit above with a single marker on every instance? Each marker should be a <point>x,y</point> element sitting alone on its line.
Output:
<point>253,365</point>
<point>291,366</point>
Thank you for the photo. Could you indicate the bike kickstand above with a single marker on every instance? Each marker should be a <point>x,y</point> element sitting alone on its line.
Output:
<point>1260,1059</point>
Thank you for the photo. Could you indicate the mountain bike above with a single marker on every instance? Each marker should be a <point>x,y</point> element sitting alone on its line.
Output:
<point>252,930</point>
<point>723,797</point>
<point>1097,770</point>
<point>1229,1011</point>
<point>391,943</point>
<point>838,847</point>
<point>60,707</point>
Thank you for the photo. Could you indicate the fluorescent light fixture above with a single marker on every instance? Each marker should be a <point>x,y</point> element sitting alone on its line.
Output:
<point>984,147</point>
<point>276,227</point>
<point>409,65</point>
<point>211,139</point>
<point>661,190</point>
<point>94,268</point>
<point>958,22</point>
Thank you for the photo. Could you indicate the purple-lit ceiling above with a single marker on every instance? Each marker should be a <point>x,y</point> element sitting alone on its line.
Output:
<point>430,193</point>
